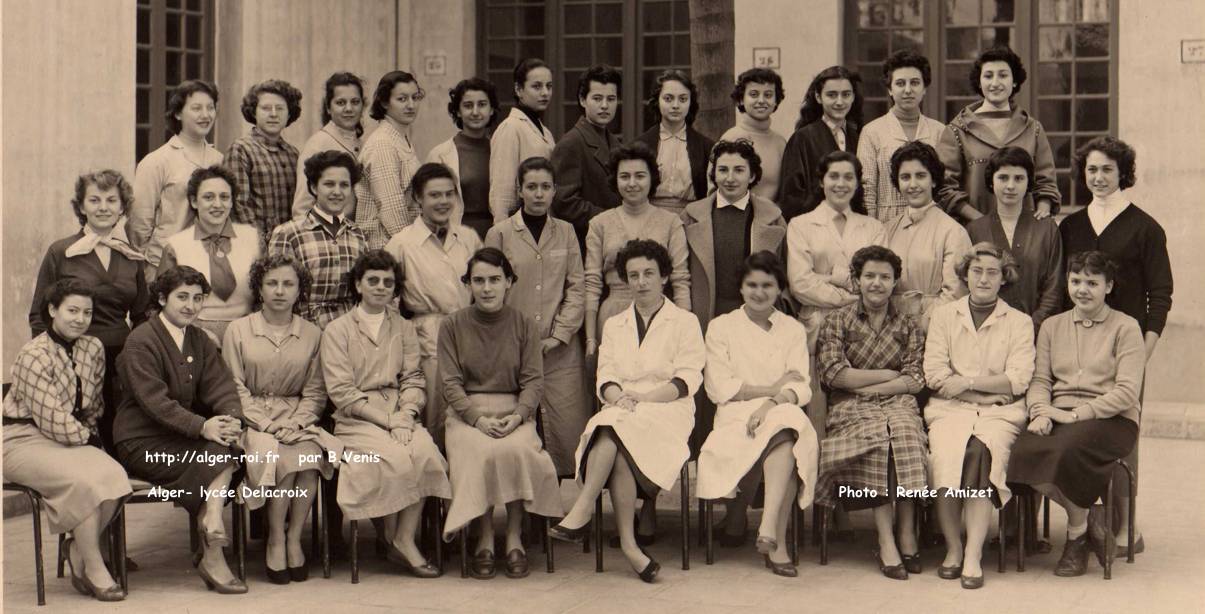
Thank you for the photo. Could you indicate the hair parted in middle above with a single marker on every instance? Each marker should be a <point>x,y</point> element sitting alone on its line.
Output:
<point>811,110</point>
<point>673,74</point>
<point>857,202</point>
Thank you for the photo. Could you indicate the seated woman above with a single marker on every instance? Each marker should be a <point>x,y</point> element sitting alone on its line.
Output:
<point>757,374</point>
<point>51,416</point>
<point>178,401</point>
<point>1083,403</point>
<point>978,362</point>
<point>370,362</point>
<point>491,362</point>
<point>648,372</point>
<point>273,356</point>
<point>868,356</point>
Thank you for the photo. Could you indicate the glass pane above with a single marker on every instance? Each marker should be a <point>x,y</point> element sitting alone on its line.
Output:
<point>682,16</point>
<point>1055,115</point>
<point>682,49</point>
<point>1063,181</point>
<point>571,114</point>
<point>908,13</point>
<point>193,32</point>
<point>657,16</point>
<point>503,83</point>
<point>957,83</point>
<point>194,5</point>
<point>962,12</point>
<point>568,93</point>
<point>872,80</point>
<point>873,109</point>
<point>907,39</point>
<point>1054,43</point>
<point>502,55</point>
<point>143,66</point>
<point>173,30</point>
<point>1056,11</point>
<point>192,68</point>
<point>1092,78</point>
<point>658,50</point>
<point>174,60</point>
<point>997,11</point>
<point>577,54</point>
<point>531,21</point>
<point>144,27</point>
<point>1061,145</point>
<point>872,46</point>
<point>1054,78</point>
<point>142,105</point>
<point>608,18</point>
<point>962,43</point>
<point>1094,10</point>
<point>577,19</point>
<point>646,82</point>
<point>533,48</point>
<point>142,142</point>
<point>997,36</point>
<point>173,4</point>
<point>1092,41</point>
<point>501,22</point>
<point>955,106</point>
<point>1092,114</point>
<point>873,13</point>
<point>608,51</point>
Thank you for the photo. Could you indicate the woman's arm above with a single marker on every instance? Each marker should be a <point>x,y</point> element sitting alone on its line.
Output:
<point>531,370</point>
<point>955,243</point>
<point>50,404</point>
<point>148,186</point>
<point>238,161</point>
<point>412,383</point>
<point>679,276</point>
<point>141,374</point>
<point>868,155</point>
<point>1050,287</point>
<point>504,160</point>
<point>593,277</point>
<point>217,390</point>
<point>1046,190</point>
<point>232,351</point>
<point>571,312</point>
<point>48,273</point>
<point>808,286</point>
<point>951,195</point>
<point>313,395</point>
<point>388,182</point>
<point>338,372</point>
<point>1040,385</point>
<point>452,375</point>
<point>1130,355</point>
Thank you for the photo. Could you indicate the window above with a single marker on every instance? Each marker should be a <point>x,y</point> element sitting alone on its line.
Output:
<point>639,37</point>
<point>174,44</point>
<point>1069,48</point>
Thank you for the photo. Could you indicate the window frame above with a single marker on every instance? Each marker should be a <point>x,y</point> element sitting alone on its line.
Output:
<point>157,89</point>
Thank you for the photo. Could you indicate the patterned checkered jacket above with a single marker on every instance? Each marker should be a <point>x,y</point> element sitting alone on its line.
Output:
<point>44,387</point>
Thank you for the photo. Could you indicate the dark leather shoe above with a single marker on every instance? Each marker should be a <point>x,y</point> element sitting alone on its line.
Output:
<point>482,566</point>
<point>299,574</point>
<point>1123,550</point>
<point>895,572</point>
<point>573,536</point>
<point>1074,561</point>
<point>516,564</point>
<point>781,569</point>
<point>649,573</point>
<point>424,570</point>
<point>234,587</point>
<point>912,562</point>
<point>720,534</point>
<point>949,573</point>
<point>971,583</point>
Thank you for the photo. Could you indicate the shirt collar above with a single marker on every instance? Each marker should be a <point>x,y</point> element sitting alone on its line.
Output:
<point>259,325</point>
<point>920,216</point>
<point>1078,317</point>
<point>227,231</point>
<point>265,140</point>
<point>176,332</point>
<point>667,135</point>
<point>741,203</point>
<point>832,126</point>
<point>324,216</point>
<point>862,313</point>
<point>1112,203</point>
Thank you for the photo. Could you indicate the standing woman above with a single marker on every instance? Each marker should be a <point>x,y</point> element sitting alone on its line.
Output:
<point>370,362</point>
<point>985,126</point>
<point>927,240</point>
<point>51,416</point>
<point>490,359</point>
<point>389,160</point>
<point>649,366</point>
<point>179,401</point>
<point>634,171</point>
<point>160,207</point>
<point>681,150</point>
<point>550,289</point>
<point>829,120</point>
<point>1084,404</point>
<point>978,375</point>
<point>473,105</point>
<point>273,356</point>
<point>521,135</point>
<point>217,247</point>
<point>1034,244</point>
<point>342,108</point>
<point>757,372</point>
<point>757,95</point>
<point>100,257</point>
<point>264,164</point>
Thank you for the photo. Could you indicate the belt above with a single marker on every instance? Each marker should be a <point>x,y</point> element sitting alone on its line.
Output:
<point>9,421</point>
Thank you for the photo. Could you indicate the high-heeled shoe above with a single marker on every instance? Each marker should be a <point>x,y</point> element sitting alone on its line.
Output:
<point>425,570</point>
<point>787,569</point>
<point>300,573</point>
<point>233,587</point>
<point>573,536</point>
<point>277,576</point>
<point>76,582</point>
<point>971,583</point>
<point>85,586</point>
<point>766,545</point>
<point>895,572</point>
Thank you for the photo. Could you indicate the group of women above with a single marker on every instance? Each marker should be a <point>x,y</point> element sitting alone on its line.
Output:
<point>438,329</point>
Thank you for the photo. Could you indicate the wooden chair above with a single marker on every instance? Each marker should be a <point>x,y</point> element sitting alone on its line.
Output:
<point>433,515</point>
<point>794,523</point>
<point>684,478</point>
<point>35,502</point>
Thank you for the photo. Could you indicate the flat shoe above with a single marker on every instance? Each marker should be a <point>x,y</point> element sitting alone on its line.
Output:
<point>573,536</point>
<point>425,570</point>
<point>1124,550</point>
<point>895,572</point>
<point>971,583</point>
<point>299,574</point>
<point>649,573</point>
<point>912,562</point>
<point>952,572</point>
<point>516,564</point>
<point>781,569</point>
<point>483,567</point>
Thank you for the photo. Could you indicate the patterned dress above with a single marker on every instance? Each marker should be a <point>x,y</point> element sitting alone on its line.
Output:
<point>329,259</point>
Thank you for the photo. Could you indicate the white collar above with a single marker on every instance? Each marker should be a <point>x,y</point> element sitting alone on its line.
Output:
<point>176,332</point>
<point>741,203</point>
<point>1112,203</point>
<point>832,126</point>
<point>324,216</point>
<point>828,213</point>
<point>666,134</point>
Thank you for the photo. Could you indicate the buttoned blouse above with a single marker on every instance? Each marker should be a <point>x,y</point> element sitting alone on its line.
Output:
<point>551,288</point>
<point>608,235</point>
<point>160,208</point>
<point>265,170</point>
<point>329,260</point>
<point>373,375</point>
<point>930,249</point>
<point>815,249</point>
<point>383,208</point>
<point>673,162</point>
<point>1003,344</point>
<point>276,380</point>
<point>431,272</point>
<point>877,142</point>
<point>672,348</point>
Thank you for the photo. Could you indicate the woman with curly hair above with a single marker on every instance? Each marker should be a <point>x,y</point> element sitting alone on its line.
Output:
<point>757,95</point>
<point>342,108</point>
<point>473,105</point>
<point>829,120</point>
<point>263,162</point>
<point>680,149</point>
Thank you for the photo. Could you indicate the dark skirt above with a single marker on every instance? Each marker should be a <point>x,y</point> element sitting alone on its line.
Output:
<point>1077,458</point>
<point>195,463</point>
<point>645,488</point>
<point>977,470</point>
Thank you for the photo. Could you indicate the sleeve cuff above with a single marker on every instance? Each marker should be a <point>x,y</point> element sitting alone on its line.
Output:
<point>680,384</point>
<point>602,390</point>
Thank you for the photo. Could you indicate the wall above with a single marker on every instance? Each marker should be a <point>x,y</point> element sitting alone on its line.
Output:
<point>439,28</point>
<point>68,107</point>
<point>1153,86</point>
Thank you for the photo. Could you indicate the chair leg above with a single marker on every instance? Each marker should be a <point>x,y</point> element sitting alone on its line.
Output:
<point>241,521</point>
<point>61,557</point>
<point>793,532</point>
<point>702,538</point>
<point>437,525</point>
<point>355,552</point>
<point>1027,514</point>
<point>118,532</point>
<point>464,553</point>
<point>1110,536</point>
<point>1133,479</point>
<point>36,508</point>
<point>823,528</point>
<point>685,479</point>
<point>549,545</point>
<point>598,534</point>
<point>1046,518</point>
<point>194,542</point>
<point>817,513</point>
<point>324,529</point>
<point>1003,544</point>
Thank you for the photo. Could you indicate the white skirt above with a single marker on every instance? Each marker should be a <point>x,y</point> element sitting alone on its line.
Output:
<point>951,425</point>
<point>729,453</point>
<point>656,435</point>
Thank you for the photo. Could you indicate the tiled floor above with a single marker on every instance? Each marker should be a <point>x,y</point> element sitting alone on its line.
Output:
<point>1167,578</point>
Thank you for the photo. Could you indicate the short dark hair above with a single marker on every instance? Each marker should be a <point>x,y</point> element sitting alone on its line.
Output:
<point>875,253</point>
<point>923,152</point>
<point>179,98</point>
<point>492,256</point>
<point>380,98</point>
<point>167,281</point>
<point>635,151</point>
<point>473,84</point>
<point>741,147</point>
<point>643,248</point>
<point>60,290</point>
<point>857,204</point>
<point>336,80</point>
<point>103,180</point>
<point>810,110</point>
<point>525,66</point>
<point>599,73</point>
<point>907,58</point>
<point>291,95</point>
<point>757,75</point>
<point>1008,264</point>
<point>999,53</point>
<point>262,266</point>
<point>217,171</point>
<point>766,262</point>
<point>427,173</point>
<point>674,74</point>
<point>534,163</point>
<point>1008,156</point>
<point>374,260</point>
<point>1093,262</point>
<point>317,164</point>
<point>1117,150</point>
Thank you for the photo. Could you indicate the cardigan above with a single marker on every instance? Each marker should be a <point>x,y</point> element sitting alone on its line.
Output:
<point>798,191</point>
<point>165,390</point>
<point>497,353</point>
<point>516,139</point>
<point>698,150</point>
<point>1142,288</point>
<point>1038,250</point>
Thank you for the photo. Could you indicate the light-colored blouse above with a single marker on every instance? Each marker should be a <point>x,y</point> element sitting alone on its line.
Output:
<point>1003,344</point>
<point>816,250</point>
<point>278,382</point>
<point>609,233</point>
<point>740,352</point>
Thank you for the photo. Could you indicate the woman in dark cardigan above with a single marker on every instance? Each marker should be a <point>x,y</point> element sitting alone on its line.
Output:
<point>675,104</point>
<point>180,415</point>
<point>832,106</point>
<point>101,257</point>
